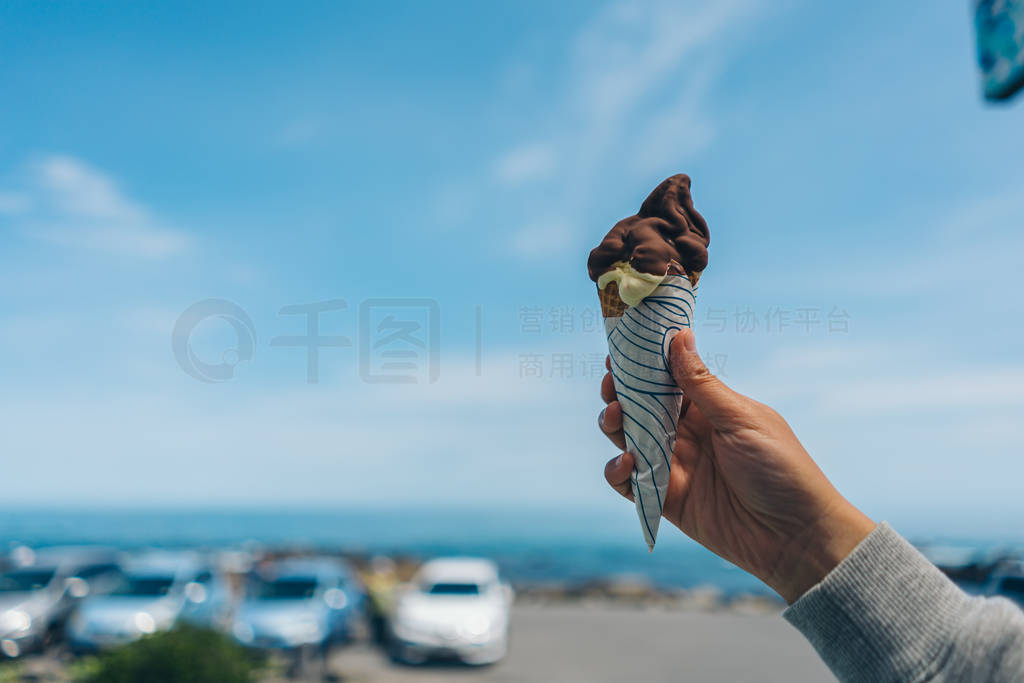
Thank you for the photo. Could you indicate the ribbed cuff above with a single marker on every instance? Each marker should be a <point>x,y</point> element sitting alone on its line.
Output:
<point>885,613</point>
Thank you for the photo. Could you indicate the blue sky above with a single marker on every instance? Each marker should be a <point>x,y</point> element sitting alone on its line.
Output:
<point>471,154</point>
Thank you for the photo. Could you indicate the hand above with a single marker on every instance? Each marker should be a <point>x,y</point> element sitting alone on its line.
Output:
<point>741,484</point>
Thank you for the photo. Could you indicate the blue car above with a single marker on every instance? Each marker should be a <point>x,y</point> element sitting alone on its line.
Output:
<point>300,604</point>
<point>157,591</point>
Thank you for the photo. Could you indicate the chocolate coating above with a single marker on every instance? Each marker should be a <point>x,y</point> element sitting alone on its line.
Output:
<point>667,229</point>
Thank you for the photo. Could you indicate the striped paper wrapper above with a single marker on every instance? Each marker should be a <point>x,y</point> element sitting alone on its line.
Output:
<point>638,343</point>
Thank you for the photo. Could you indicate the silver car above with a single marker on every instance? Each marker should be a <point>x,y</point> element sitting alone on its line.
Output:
<point>158,590</point>
<point>43,587</point>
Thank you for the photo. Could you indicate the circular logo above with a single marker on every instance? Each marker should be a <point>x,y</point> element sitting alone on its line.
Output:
<point>181,340</point>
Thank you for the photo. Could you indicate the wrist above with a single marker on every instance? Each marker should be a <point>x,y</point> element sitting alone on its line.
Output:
<point>809,556</point>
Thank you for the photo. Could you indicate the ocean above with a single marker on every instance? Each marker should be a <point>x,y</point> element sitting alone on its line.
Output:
<point>531,546</point>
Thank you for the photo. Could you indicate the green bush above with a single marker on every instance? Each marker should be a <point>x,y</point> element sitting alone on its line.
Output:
<point>185,654</point>
<point>10,672</point>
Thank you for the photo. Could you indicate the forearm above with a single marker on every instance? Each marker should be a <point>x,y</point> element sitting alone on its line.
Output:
<point>887,614</point>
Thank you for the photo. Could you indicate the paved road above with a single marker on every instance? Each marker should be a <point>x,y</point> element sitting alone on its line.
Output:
<point>593,645</point>
<point>579,644</point>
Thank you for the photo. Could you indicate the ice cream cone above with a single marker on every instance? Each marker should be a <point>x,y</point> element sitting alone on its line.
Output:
<point>646,270</point>
<point>638,343</point>
<point>612,306</point>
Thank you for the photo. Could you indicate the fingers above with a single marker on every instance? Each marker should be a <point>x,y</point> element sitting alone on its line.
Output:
<point>610,419</point>
<point>618,473</point>
<point>610,422</point>
<point>684,407</point>
<point>718,403</point>
<point>608,388</point>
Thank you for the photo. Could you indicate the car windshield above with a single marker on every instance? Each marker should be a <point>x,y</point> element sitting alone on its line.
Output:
<point>93,570</point>
<point>145,586</point>
<point>285,589</point>
<point>453,589</point>
<point>26,580</point>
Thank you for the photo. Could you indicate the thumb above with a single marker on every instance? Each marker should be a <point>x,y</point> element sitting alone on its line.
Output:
<point>717,402</point>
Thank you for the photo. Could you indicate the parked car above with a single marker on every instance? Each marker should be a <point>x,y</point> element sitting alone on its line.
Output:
<point>300,603</point>
<point>42,589</point>
<point>157,591</point>
<point>455,607</point>
<point>1008,581</point>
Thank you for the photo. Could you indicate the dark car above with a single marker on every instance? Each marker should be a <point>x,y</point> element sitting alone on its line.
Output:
<point>1008,581</point>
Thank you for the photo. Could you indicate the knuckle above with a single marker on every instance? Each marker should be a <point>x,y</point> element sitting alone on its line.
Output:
<point>701,376</point>
<point>771,415</point>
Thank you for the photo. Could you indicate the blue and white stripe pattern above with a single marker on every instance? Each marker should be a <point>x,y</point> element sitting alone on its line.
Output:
<point>638,344</point>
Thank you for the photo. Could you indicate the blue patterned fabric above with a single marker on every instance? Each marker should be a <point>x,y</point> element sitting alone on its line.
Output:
<point>638,344</point>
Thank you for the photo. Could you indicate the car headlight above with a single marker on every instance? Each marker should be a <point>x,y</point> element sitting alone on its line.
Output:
<point>16,621</point>
<point>407,625</point>
<point>243,631</point>
<point>475,629</point>
<point>145,623</point>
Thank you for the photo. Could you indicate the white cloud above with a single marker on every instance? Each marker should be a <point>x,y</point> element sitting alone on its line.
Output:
<point>71,204</point>
<point>896,426</point>
<point>129,239</point>
<point>79,190</point>
<point>983,230</point>
<point>632,48</point>
<point>466,439</point>
<point>632,55</point>
<point>682,129</point>
<point>991,215</point>
<point>861,380</point>
<point>637,78</point>
<point>526,163</point>
<point>543,238</point>
<point>963,389</point>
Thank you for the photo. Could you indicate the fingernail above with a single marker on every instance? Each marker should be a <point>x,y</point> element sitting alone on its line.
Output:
<point>600,418</point>
<point>618,460</point>
<point>689,341</point>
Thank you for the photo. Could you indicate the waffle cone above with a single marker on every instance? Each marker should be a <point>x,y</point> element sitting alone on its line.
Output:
<point>675,269</point>
<point>612,306</point>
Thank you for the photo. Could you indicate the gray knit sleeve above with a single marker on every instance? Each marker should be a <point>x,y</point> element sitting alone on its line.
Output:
<point>887,614</point>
